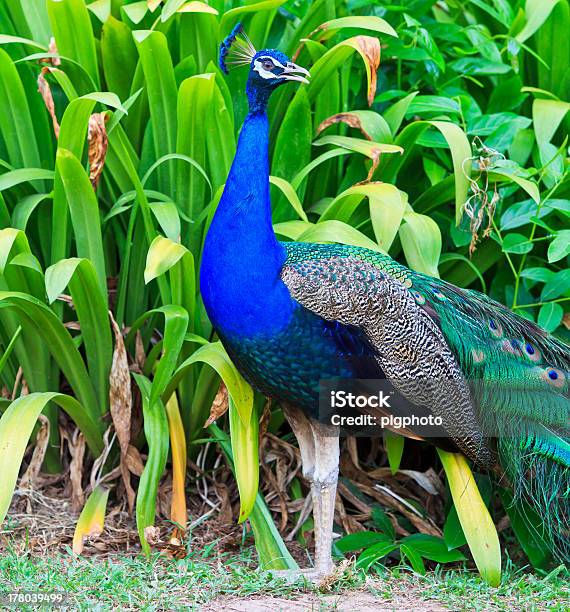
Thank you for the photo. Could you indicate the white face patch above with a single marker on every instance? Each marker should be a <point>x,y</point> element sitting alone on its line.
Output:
<point>261,66</point>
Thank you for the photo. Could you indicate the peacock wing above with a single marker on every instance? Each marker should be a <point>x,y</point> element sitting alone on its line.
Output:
<point>370,291</point>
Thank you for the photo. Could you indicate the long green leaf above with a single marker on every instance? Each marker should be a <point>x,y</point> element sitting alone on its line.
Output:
<point>16,426</point>
<point>91,307</point>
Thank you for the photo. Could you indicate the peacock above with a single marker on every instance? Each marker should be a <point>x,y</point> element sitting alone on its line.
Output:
<point>292,314</point>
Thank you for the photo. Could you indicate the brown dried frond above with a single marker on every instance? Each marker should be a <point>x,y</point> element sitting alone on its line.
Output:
<point>220,405</point>
<point>45,91</point>
<point>98,145</point>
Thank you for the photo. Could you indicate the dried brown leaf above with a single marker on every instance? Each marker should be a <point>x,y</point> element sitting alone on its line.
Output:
<point>370,47</point>
<point>42,441</point>
<point>121,404</point>
<point>52,48</point>
<point>566,320</point>
<point>134,461</point>
<point>152,535</point>
<point>350,119</point>
<point>77,451</point>
<point>45,91</point>
<point>140,355</point>
<point>120,396</point>
<point>98,144</point>
<point>220,405</point>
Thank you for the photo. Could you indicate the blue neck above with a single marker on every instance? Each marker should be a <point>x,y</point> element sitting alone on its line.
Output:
<point>242,258</point>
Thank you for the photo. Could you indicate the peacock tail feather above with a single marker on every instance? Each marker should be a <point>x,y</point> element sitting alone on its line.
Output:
<point>518,375</point>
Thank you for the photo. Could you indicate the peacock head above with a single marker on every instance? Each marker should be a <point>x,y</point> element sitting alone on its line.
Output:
<point>268,68</point>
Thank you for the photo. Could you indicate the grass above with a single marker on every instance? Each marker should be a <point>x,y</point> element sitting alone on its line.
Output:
<point>198,580</point>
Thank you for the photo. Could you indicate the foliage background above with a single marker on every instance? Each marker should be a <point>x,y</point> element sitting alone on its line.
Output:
<point>111,173</point>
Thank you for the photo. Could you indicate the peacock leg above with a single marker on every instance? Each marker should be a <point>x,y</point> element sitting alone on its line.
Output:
<point>319,447</point>
<point>323,491</point>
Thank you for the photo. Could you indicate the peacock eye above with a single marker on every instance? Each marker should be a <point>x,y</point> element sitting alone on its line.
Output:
<point>268,65</point>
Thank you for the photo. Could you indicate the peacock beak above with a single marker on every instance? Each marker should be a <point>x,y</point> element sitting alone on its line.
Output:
<point>293,72</point>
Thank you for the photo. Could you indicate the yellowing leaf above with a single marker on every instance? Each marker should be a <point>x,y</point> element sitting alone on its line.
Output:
<point>369,49</point>
<point>162,255</point>
<point>474,517</point>
<point>92,518</point>
<point>197,7</point>
<point>178,450</point>
<point>245,449</point>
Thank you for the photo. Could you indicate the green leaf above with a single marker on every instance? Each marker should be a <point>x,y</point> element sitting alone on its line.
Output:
<point>386,207</point>
<point>359,540</point>
<point>550,316</point>
<point>16,426</point>
<point>119,55</point>
<point>547,115</point>
<point>432,548</point>
<point>24,175</point>
<point>71,26</point>
<point>329,231</point>
<point>245,443</point>
<point>273,554</point>
<point>558,284</point>
<point>292,148</point>
<point>156,434</point>
<point>396,113</point>
<point>163,254</point>
<point>413,556</point>
<point>84,212</point>
<point>421,242</point>
<point>290,194</point>
<point>394,447</point>
<point>16,124</point>
<point>43,321</point>
<point>373,150</point>
<point>375,553</point>
<point>197,93</point>
<point>375,24</point>
<point>161,90</point>
<point>216,357</point>
<point>91,307</point>
<point>536,13</point>
<point>559,247</point>
<point>516,243</point>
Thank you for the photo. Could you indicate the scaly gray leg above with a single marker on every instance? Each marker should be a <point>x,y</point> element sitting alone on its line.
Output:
<point>319,446</point>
